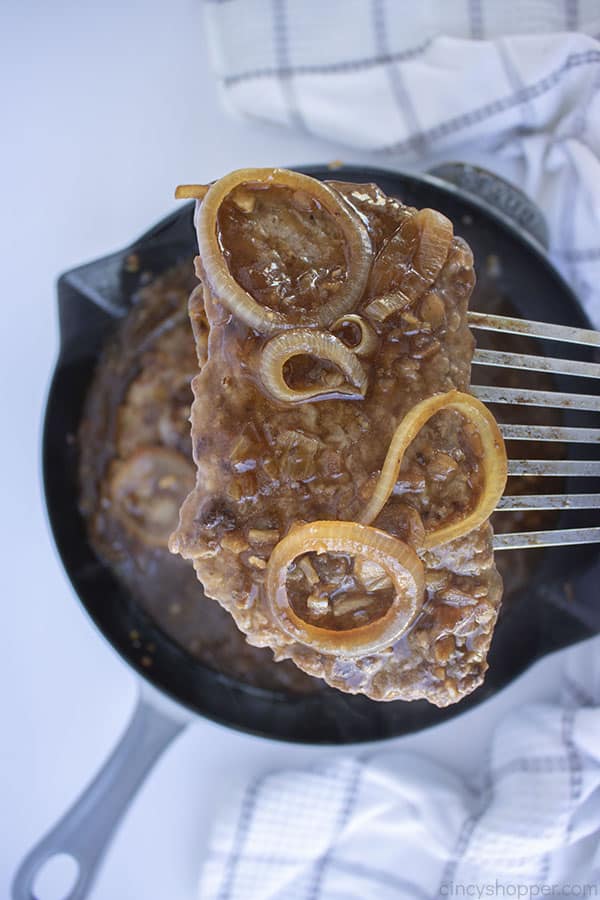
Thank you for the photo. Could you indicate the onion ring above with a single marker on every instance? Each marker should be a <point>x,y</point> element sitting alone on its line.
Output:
<point>493,461</point>
<point>382,307</point>
<point>435,238</point>
<point>146,491</point>
<point>227,290</point>
<point>433,234</point>
<point>279,349</point>
<point>368,336</point>
<point>397,559</point>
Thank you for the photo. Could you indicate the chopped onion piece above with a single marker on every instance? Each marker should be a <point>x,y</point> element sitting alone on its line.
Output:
<point>283,347</point>
<point>397,560</point>
<point>493,461</point>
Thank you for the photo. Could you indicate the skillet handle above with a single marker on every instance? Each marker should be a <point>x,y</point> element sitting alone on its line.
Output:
<point>498,194</point>
<point>86,829</point>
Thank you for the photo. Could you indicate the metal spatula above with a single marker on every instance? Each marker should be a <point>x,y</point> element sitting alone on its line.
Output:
<point>543,433</point>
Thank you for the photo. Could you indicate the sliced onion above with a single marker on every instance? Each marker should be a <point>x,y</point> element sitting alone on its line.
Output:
<point>147,490</point>
<point>435,237</point>
<point>382,307</point>
<point>191,191</point>
<point>414,256</point>
<point>227,290</point>
<point>396,558</point>
<point>493,461</point>
<point>368,336</point>
<point>279,349</point>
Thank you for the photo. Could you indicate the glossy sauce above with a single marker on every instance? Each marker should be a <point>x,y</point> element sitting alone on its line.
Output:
<point>264,465</point>
<point>135,471</point>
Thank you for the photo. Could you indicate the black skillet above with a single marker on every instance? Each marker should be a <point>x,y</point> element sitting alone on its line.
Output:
<point>556,609</point>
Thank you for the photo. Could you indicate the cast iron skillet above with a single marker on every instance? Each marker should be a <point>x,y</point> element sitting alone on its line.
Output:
<point>556,609</point>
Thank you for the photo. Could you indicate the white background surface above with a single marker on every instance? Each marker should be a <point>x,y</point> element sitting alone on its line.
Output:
<point>104,109</point>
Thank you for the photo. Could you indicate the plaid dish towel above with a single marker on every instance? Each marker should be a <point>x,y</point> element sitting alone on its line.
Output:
<point>398,826</point>
<point>409,80</point>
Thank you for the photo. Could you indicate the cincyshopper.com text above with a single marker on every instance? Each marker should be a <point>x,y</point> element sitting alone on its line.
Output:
<point>514,889</point>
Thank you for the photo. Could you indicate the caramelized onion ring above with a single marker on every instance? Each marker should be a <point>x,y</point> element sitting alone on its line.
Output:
<point>279,349</point>
<point>386,305</point>
<point>397,559</point>
<point>435,237</point>
<point>368,335</point>
<point>146,491</point>
<point>493,461</point>
<point>227,290</point>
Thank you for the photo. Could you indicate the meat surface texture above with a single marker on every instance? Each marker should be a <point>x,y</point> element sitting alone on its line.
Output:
<point>286,433</point>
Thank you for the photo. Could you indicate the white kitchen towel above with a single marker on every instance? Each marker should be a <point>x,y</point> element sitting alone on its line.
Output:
<point>520,80</point>
<point>398,826</point>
